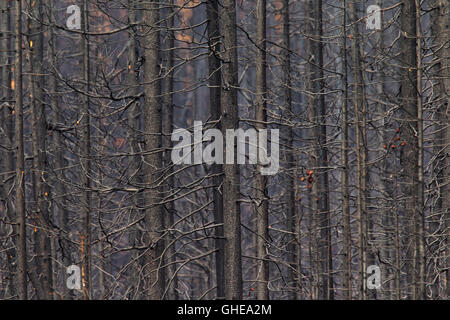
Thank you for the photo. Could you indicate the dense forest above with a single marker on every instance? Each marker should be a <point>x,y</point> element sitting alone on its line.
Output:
<point>335,179</point>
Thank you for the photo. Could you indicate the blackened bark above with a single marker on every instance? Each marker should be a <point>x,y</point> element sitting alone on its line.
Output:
<point>20,160</point>
<point>231,182</point>
<point>35,59</point>
<point>153,160</point>
<point>261,197</point>
<point>409,128</point>
<point>214,73</point>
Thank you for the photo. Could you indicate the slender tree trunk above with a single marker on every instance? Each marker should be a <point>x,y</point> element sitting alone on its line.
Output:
<point>214,73</point>
<point>7,155</point>
<point>420,215</point>
<point>59,206</point>
<point>85,157</point>
<point>20,160</point>
<point>409,122</point>
<point>313,152</point>
<point>231,180</point>
<point>320,155</point>
<point>385,227</point>
<point>153,158</point>
<point>347,258</point>
<point>134,123</point>
<point>39,130</point>
<point>361,151</point>
<point>290,162</point>
<point>440,36</point>
<point>168,128</point>
<point>262,205</point>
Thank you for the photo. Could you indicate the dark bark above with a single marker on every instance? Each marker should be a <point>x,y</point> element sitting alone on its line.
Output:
<point>35,59</point>
<point>7,150</point>
<point>319,159</point>
<point>85,156</point>
<point>168,127</point>
<point>347,257</point>
<point>292,247</point>
<point>214,73</point>
<point>409,129</point>
<point>20,160</point>
<point>231,182</point>
<point>261,197</point>
<point>153,160</point>
<point>359,105</point>
<point>439,224</point>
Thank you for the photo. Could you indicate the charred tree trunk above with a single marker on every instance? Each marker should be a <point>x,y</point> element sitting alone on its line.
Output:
<point>85,156</point>
<point>170,181</point>
<point>153,160</point>
<point>440,224</point>
<point>59,206</point>
<point>135,115</point>
<point>261,197</point>
<point>20,160</point>
<point>293,255</point>
<point>39,129</point>
<point>231,180</point>
<point>320,155</point>
<point>215,75</point>
<point>347,257</point>
<point>361,150</point>
<point>7,152</point>
<point>409,131</point>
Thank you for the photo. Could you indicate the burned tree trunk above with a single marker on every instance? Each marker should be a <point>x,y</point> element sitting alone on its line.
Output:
<point>231,180</point>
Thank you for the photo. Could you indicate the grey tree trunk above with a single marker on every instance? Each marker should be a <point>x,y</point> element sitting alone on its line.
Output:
<point>20,160</point>
<point>135,115</point>
<point>39,129</point>
<point>153,161</point>
<point>439,226</point>
<point>419,219</point>
<point>361,150</point>
<point>85,156</point>
<point>215,75</point>
<point>293,248</point>
<point>261,197</point>
<point>7,153</point>
<point>231,182</point>
<point>347,257</point>
<point>168,127</point>
<point>319,158</point>
<point>59,206</point>
<point>409,130</point>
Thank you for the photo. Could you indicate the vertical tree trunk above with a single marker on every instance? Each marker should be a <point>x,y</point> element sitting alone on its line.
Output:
<point>386,221</point>
<point>20,160</point>
<point>153,157</point>
<point>409,154</point>
<point>292,250</point>
<point>7,155</point>
<point>347,257</point>
<point>39,130</point>
<point>320,154</point>
<point>134,123</point>
<point>215,73</point>
<point>324,206</point>
<point>361,151</point>
<point>420,215</point>
<point>85,154</point>
<point>168,128</point>
<point>261,197</point>
<point>313,152</point>
<point>59,207</point>
<point>440,36</point>
<point>231,180</point>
